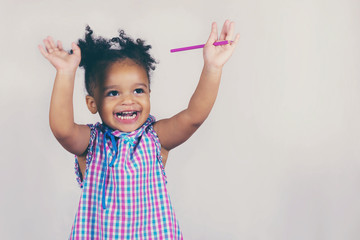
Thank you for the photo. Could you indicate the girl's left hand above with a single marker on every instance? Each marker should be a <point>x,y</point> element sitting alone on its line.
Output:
<point>217,56</point>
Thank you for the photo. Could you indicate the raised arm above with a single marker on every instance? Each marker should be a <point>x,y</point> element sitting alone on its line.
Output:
<point>72,137</point>
<point>177,129</point>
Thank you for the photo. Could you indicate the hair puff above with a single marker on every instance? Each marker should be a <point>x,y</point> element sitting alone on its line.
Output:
<point>98,53</point>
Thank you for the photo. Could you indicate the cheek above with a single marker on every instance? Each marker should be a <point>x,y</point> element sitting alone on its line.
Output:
<point>146,104</point>
<point>106,107</point>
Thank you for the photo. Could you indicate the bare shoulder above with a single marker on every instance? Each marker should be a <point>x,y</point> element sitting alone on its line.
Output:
<point>174,131</point>
<point>77,140</point>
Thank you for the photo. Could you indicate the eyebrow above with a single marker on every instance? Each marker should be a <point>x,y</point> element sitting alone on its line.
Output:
<point>115,86</point>
<point>142,84</point>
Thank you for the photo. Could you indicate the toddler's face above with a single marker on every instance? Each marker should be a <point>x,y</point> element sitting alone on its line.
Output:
<point>123,102</point>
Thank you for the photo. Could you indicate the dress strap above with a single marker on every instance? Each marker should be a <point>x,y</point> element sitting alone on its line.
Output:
<point>112,138</point>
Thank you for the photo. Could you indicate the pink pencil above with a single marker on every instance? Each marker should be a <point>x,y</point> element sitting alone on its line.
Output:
<point>198,46</point>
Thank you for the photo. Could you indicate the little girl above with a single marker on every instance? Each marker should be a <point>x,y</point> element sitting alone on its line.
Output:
<point>120,162</point>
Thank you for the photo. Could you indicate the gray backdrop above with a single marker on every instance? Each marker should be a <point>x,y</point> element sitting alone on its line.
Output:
<point>277,159</point>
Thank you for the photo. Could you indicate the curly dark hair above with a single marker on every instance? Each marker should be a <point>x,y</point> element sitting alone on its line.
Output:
<point>98,54</point>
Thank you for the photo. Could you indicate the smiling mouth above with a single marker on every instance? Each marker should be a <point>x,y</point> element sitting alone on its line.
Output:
<point>126,115</point>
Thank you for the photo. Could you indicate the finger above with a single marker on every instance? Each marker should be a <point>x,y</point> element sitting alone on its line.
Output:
<point>51,41</point>
<point>43,51</point>
<point>224,30</point>
<point>230,33</point>
<point>47,45</point>
<point>235,42</point>
<point>213,35</point>
<point>59,45</point>
<point>76,49</point>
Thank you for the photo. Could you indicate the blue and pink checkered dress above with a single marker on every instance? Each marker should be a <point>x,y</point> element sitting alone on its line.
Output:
<point>124,193</point>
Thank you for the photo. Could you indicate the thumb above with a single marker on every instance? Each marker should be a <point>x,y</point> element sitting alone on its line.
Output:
<point>76,50</point>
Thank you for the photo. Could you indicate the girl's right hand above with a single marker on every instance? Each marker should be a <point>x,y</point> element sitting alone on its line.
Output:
<point>59,58</point>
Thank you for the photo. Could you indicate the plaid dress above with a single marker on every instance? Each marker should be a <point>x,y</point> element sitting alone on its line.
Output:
<point>124,193</point>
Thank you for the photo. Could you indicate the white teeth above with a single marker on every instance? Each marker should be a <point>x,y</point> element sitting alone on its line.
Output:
<point>126,117</point>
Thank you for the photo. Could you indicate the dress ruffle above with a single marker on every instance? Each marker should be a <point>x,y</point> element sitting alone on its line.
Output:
<point>79,177</point>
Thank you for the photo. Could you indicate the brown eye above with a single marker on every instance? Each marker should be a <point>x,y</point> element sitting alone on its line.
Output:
<point>112,94</point>
<point>139,90</point>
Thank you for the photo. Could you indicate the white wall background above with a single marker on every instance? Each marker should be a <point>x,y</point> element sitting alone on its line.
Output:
<point>279,156</point>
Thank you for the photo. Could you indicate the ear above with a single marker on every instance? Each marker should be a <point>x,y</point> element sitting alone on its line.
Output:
<point>91,104</point>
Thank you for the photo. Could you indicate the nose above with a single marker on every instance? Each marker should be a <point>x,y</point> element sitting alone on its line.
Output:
<point>127,99</point>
